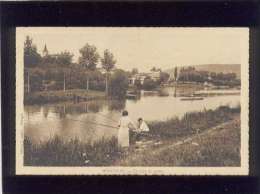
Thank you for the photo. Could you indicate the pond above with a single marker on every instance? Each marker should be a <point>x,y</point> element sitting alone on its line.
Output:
<point>93,120</point>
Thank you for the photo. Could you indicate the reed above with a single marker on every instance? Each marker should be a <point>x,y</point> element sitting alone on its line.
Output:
<point>192,122</point>
<point>56,152</point>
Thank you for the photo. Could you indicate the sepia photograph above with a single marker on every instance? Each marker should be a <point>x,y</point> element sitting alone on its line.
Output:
<point>132,101</point>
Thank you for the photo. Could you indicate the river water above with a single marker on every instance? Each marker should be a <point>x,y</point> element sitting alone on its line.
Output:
<point>93,120</point>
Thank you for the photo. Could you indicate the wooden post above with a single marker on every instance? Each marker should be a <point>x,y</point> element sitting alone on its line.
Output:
<point>86,107</point>
<point>87,83</point>
<point>106,85</point>
<point>28,82</point>
<point>64,83</point>
<point>107,75</point>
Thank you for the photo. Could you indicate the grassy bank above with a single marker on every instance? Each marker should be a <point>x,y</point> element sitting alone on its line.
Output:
<point>209,146</point>
<point>60,95</point>
<point>192,122</point>
<point>219,146</point>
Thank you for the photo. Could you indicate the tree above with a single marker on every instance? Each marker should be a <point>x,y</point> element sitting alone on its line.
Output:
<point>164,77</point>
<point>31,56</point>
<point>64,58</point>
<point>154,69</point>
<point>88,59</point>
<point>108,63</point>
<point>48,60</point>
<point>118,84</point>
<point>175,73</point>
<point>149,84</point>
<point>134,71</point>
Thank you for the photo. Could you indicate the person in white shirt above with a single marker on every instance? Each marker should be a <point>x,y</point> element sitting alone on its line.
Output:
<point>142,126</point>
<point>125,125</point>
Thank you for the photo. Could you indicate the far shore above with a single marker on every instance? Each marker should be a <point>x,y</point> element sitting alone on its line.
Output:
<point>79,95</point>
<point>43,97</point>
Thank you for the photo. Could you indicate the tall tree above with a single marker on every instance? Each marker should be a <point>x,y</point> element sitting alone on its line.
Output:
<point>31,56</point>
<point>175,73</point>
<point>108,63</point>
<point>88,59</point>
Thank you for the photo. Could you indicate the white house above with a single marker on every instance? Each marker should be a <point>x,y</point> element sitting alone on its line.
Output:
<point>154,75</point>
<point>137,77</point>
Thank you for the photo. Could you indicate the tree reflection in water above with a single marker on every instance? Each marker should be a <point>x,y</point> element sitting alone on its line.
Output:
<point>116,105</point>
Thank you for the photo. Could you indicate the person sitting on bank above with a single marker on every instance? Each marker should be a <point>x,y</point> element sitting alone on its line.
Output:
<point>141,131</point>
<point>142,126</point>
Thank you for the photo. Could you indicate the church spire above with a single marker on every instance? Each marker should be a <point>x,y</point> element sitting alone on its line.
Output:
<point>45,51</point>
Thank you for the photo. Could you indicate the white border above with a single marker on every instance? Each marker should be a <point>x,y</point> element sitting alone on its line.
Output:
<point>243,170</point>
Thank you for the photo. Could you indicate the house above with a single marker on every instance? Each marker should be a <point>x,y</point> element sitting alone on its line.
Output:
<point>131,80</point>
<point>154,75</point>
<point>137,77</point>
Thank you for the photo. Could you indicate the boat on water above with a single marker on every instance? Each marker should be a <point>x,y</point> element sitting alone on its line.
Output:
<point>192,98</point>
<point>132,95</point>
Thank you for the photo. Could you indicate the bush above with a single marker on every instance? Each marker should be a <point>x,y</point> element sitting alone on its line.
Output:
<point>149,84</point>
<point>97,85</point>
<point>118,84</point>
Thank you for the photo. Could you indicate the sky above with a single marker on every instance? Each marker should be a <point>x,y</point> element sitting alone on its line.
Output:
<point>144,48</point>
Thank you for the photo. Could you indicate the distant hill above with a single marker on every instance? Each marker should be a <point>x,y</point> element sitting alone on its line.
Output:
<point>217,68</point>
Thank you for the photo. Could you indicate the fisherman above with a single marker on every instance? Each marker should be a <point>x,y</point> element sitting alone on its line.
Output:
<point>142,126</point>
<point>125,126</point>
<point>142,130</point>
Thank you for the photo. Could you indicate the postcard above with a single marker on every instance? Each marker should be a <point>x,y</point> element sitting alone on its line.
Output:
<point>132,101</point>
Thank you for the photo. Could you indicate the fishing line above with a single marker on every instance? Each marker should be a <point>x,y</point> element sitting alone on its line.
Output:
<point>106,117</point>
<point>95,113</point>
<point>91,122</point>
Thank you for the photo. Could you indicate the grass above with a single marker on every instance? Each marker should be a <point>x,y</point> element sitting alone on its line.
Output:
<point>218,147</point>
<point>43,97</point>
<point>56,152</point>
<point>192,122</point>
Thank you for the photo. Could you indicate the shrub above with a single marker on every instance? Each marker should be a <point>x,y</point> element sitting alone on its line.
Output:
<point>149,84</point>
<point>118,84</point>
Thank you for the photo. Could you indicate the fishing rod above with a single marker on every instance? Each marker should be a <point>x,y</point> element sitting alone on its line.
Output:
<point>106,117</point>
<point>92,122</point>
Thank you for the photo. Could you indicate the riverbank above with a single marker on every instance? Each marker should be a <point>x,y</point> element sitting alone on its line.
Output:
<point>206,138</point>
<point>44,97</point>
<point>216,146</point>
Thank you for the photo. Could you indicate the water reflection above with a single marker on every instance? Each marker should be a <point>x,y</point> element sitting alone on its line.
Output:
<point>77,120</point>
<point>116,105</point>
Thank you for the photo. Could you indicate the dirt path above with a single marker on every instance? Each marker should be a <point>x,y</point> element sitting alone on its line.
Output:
<point>155,148</point>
